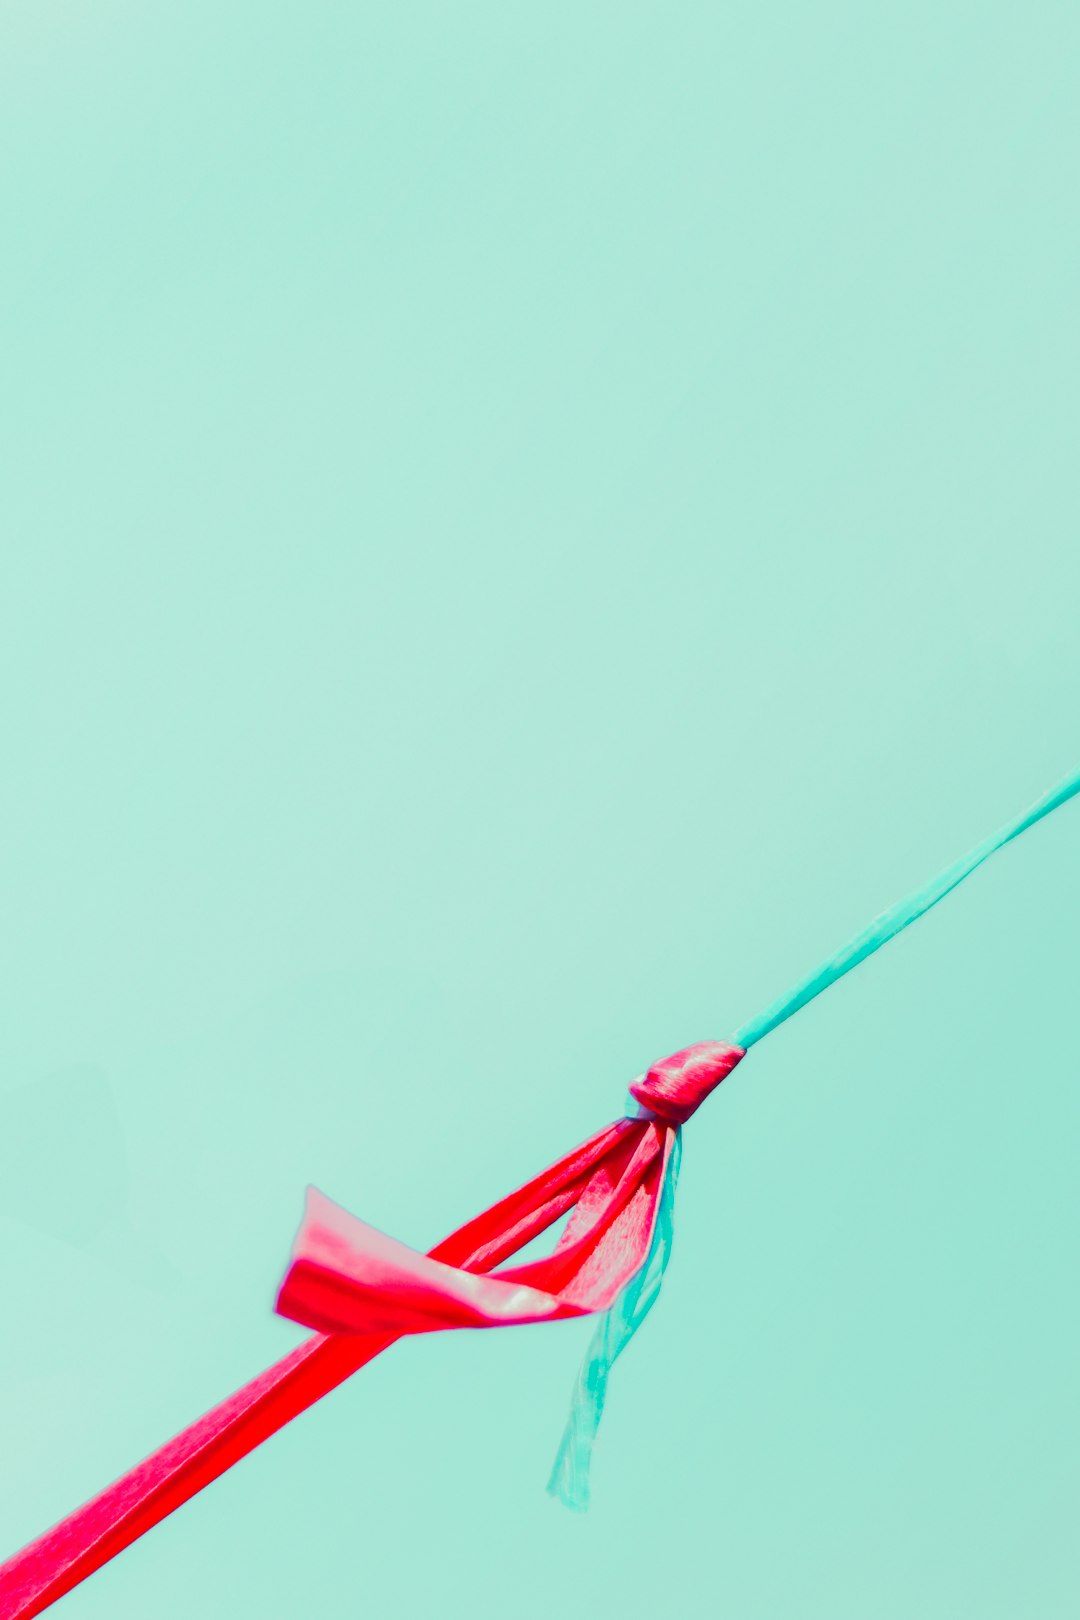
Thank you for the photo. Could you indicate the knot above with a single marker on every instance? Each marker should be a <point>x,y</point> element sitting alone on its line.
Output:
<point>677,1086</point>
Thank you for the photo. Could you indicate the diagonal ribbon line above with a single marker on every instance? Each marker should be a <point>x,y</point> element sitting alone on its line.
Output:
<point>591,1177</point>
<point>370,1289</point>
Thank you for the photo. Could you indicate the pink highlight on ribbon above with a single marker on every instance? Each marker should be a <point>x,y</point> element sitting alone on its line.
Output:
<point>676,1087</point>
<point>347,1277</point>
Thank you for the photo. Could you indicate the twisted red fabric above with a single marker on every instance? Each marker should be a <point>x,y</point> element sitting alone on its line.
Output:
<point>366,1290</point>
<point>346,1277</point>
<point>677,1086</point>
<point>361,1290</point>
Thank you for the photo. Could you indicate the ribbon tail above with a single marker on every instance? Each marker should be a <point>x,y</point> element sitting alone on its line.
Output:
<point>64,1556</point>
<point>569,1481</point>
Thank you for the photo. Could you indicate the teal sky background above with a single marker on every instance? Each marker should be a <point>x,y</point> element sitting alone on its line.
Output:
<point>523,528</point>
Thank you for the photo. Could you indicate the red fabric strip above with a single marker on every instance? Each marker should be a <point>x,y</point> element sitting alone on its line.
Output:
<point>347,1277</point>
<point>43,1571</point>
<point>677,1086</point>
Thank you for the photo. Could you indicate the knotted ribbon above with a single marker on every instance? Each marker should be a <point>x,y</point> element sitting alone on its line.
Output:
<point>362,1290</point>
<point>347,1277</point>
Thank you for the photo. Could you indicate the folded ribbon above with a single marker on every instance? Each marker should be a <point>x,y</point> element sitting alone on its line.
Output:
<point>676,1087</point>
<point>346,1277</point>
<point>362,1290</point>
<point>367,1289</point>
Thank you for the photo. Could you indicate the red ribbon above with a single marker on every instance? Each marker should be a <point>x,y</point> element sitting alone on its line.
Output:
<point>676,1087</point>
<point>363,1290</point>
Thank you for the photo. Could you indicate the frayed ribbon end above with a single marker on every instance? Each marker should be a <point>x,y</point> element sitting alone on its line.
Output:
<point>570,1475</point>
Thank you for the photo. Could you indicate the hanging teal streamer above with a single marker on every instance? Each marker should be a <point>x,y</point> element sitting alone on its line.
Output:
<point>615,1328</point>
<point>898,917</point>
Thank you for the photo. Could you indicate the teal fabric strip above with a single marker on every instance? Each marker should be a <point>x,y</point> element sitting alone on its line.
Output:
<point>615,1328</point>
<point>891,922</point>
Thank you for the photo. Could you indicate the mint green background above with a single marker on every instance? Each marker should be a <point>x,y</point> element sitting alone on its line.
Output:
<point>524,527</point>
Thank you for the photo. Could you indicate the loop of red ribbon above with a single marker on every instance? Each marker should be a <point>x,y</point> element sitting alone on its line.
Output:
<point>346,1277</point>
<point>361,1290</point>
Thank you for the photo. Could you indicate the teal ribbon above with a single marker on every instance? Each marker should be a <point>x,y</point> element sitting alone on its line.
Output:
<point>616,1327</point>
<point>891,922</point>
